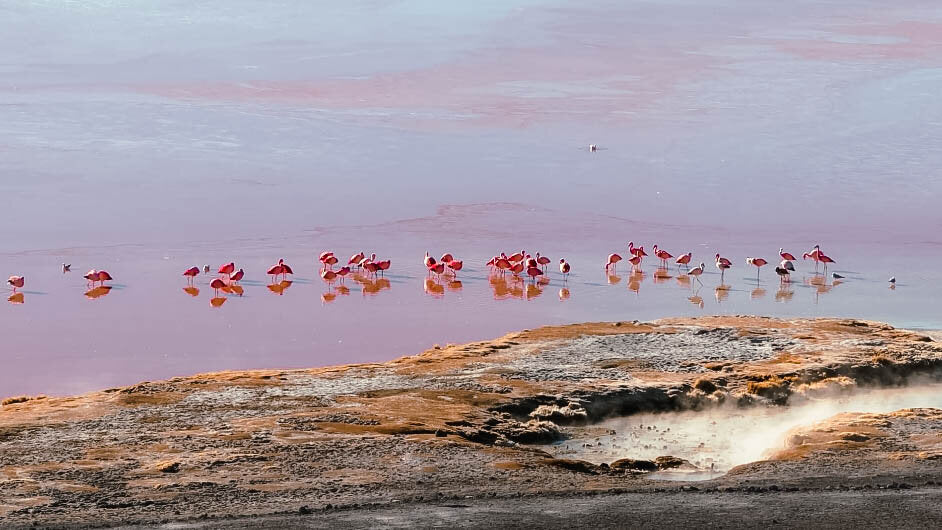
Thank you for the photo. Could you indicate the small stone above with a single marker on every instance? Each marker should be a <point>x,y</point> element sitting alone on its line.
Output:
<point>306,510</point>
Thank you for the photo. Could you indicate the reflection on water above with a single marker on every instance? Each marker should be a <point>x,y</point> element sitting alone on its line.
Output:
<point>280,287</point>
<point>16,298</point>
<point>564,294</point>
<point>217,301</point>
<point>191,290</point>
<point>757,293</point>
<point>97,292</point>
<point>721,293</point>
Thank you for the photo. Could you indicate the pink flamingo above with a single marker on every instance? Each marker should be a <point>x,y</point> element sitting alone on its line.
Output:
<point>438,269</point>
<point>503,265</point>
<point>758,263</point>
<point>635,261</point>
<point>564,268</point>
<point>237,276</point>
<point>275,270</point>
<point>785,255</point>
<point>103,276</point>
<point>216,285</point>
<point>697,271</point>
<point>383,266</point>
<point>191,273</point>
<point>534,272</point>
<point>662,255</point>
<point>684,259</point>
<point>815,255</point>
<point>447,258</point>
<point>429,260</point>
<point>516,269</point>
<point>227,269</point>
<point>825,259</point>
<point>328,276</point>
<point>370,267</point>
<point>455,266</point>
<point>722,264</point>
<point>633,250</point>
<point>342,272</point>
<point>330,261</point>
<point>518,257</point>
<point>17,282</point>
<point>612,260</point>
<point>91,276</point>
<point>542,261</point>
<point>531,262</point>
<point>356,259</point>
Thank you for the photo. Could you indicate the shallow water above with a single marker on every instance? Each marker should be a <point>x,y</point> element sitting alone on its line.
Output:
<point>144,139</point>
<point>725,437</point>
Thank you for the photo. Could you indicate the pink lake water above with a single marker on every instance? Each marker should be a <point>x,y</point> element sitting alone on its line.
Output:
<point>146,138</point>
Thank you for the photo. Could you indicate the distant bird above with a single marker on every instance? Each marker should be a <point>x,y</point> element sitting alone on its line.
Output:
<point>542,261</point>
<point>836,276</point>
<point>722,264</point>
<point>684,259</point>
<point>787,265</point>
<point>16,282</point>
<point>191,273</point>
<point>612,260</point>
<point>91,276</point>
<point>103,276</point>
<point>758,263</point>
<point>330,261</point>
<point>369,266</point>
<point>275,270</point>
<point>429,260</point>
<point>783,273</point>
<point>66,267</point>
<point>534,272</point>
<point>892,280</point>
<point>437,269</point>
<point>216,285</point>
<point>662,255</point>
<point>342,272</point>
<point>785,255</point>
<point>237,276</point>
<point>635,260</point>
<point>447,258</point>
<point>328,275</point>
<point>227,269</point>
<point>593,148</point>
<point>697,271</point>
<point>825,260</point>
<point>383,266</point>
<point>564,268</point>
<point>356,259</point>
<point>455,266</point>
<point>206,269</point>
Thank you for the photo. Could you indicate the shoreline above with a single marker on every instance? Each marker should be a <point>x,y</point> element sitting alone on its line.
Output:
<point>461,421</point>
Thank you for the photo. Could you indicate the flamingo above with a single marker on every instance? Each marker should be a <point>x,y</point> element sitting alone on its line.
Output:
<point>275,270</point>
<point>564,268</point>
<point>286,269</point>
<point>237,276</point>
<point>227,269</point>
<point>534,272</point>
<point>542,261</point>
<point>531,262</point>
<point>787,265</point>
<point>455,266</point>
<point>324,255</point>
<point>383,266</point>
<point>429,260</point>
<point>684,259</point>
<point>612,260</point>
<point>825,259</point>
<point>91,276</point>
<point>370,267</point>
<point>632,249</point>
<point>491,263</point>
<point>438,269</point>
<point>503,265</point>
<point>103,276</point>
<point>785,255</point>
<point>328,276</point>
<point>516,269</point>
<point>635,261</point>
<point>518,257</point>
<point>758,262</point>
<point>66,267</point>
<point>191,273</point>
<point>216,285</point>
<point>697,271</point>
<point>342,272</point>
<point>662,255</point>
<point>330,261</point>
<point>783,273</point>
<point>447,258</point>
<point>16,282</point>
<point>356,259</point>
<point>722,264</point>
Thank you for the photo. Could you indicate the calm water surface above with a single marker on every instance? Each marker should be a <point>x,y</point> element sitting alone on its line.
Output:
<point>146,138</point>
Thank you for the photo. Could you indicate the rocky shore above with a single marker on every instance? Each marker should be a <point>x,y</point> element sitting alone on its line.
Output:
<point>465,424</point>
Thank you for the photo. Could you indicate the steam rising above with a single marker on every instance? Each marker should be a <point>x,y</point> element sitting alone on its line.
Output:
<point>728,436</point>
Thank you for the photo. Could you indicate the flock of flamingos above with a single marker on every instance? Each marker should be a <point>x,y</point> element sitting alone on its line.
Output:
<point>367,270</point>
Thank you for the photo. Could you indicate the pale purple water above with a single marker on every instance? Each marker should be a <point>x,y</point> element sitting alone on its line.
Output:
<point>145,138</point>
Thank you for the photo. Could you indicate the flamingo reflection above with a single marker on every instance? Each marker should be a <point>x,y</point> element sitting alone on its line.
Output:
<point>97,292</point>
<point>613,279</point>
<point>191,290</point>
<point>328,297</point>
<point>564,294</point>
<point>721,293</point>
<point>455,285</point>
<point>280,287</point>
<point>784,293</point>
<point>374,286</point>
<point>683,280</point>
<point>16,298</point>
<point>433,288</point>
<point>533,291</point>
<point>757,293</point>
<point>217,301</point>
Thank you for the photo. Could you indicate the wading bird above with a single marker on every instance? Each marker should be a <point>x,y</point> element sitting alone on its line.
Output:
<point>16,282</point>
